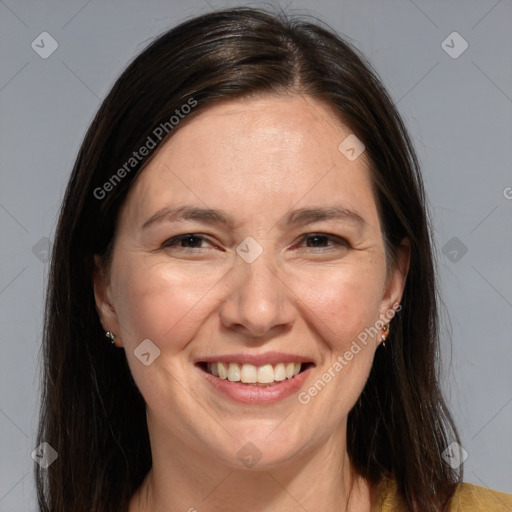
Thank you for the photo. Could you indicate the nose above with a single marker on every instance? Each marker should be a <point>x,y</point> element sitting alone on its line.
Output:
<point>259,302</point>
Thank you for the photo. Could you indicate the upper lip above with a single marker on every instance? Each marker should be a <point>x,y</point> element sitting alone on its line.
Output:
<point>272,358</point>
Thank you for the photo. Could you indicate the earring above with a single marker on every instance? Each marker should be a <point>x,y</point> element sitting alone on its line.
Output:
<point>111,336</point>
<point>385,328</point>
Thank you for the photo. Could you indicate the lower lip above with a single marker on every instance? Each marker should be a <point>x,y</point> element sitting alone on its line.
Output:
<point>247,394</point>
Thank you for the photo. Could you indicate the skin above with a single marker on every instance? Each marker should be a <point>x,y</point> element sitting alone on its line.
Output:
<point>257,159</point>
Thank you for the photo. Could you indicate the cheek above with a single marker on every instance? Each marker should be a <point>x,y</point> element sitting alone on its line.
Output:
<point>341,301</point>
<point>167,303</point>
<point>342,306</point>
<point>161,302</point>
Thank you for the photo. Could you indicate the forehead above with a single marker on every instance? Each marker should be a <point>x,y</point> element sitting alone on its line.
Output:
<point>291,128</point>
<point>269,152</point>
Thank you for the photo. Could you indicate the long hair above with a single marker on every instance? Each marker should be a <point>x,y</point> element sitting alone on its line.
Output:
<point>92,413</point>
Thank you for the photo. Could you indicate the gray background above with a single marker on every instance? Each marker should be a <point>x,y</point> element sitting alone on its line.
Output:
<point>459,112</point>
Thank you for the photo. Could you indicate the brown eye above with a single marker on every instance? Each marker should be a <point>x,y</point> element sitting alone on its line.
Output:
<point>321,240</point>
<point>187,241</point>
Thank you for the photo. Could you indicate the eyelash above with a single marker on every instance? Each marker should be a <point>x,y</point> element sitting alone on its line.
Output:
<point>337,241</point>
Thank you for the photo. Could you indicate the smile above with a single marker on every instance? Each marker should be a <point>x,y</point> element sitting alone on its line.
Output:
<point>266,375</point>
<point>256,380</point>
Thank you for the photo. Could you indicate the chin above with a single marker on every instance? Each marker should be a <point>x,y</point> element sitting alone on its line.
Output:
<point>259,448</point>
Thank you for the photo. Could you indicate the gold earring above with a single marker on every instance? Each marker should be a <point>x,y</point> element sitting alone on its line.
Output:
<point>385,328</point>
<point>111,336</point>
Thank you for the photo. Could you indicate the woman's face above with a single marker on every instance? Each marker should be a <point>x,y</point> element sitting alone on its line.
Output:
<point>283,263</point>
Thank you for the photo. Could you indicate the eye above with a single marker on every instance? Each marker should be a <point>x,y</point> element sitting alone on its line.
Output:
<point>314,241</point>
<point>186,241</point>
<point>320,241</point>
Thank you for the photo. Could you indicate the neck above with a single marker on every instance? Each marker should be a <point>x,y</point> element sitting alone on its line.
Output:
<point>182,479</point>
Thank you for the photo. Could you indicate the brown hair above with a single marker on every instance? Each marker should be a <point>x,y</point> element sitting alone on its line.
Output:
<point>92,412</point>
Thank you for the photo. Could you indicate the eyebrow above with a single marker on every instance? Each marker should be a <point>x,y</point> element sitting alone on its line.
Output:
<point>295,218</point>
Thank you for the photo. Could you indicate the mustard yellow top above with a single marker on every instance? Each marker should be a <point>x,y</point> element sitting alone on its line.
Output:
<point>467,498</point>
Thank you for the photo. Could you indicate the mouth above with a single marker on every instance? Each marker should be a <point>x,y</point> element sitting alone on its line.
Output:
<point>249,375</point>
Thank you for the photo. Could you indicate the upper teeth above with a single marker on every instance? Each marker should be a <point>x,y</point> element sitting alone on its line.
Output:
<point>250,374</point>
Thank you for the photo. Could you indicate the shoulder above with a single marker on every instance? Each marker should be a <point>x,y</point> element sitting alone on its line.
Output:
<point>473,498</point>
<point>466,498</point>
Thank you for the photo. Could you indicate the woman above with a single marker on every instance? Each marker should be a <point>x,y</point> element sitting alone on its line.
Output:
<point>246,224</point>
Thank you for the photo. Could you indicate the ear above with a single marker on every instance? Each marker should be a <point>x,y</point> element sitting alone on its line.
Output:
<point>102,296</point>
<point>396,280</point>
